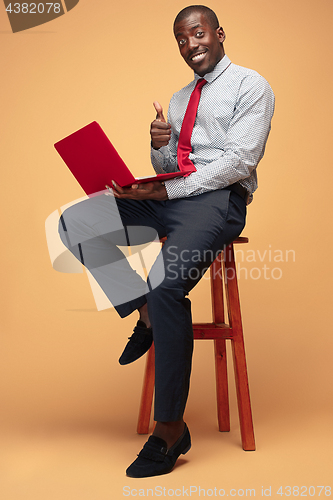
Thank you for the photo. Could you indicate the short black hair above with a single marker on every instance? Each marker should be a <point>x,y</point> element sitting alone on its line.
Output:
<point>206,11</point>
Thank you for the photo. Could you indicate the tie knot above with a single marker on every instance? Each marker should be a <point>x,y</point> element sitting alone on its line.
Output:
<point>200,83</point>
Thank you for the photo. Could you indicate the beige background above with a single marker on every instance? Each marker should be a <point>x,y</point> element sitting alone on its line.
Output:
<point>68,410</point>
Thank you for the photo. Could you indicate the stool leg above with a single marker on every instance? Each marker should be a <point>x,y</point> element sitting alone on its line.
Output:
<point>243,396</point>
<point>147,393</point>
<point>222,396</point>
<point>238,349</point>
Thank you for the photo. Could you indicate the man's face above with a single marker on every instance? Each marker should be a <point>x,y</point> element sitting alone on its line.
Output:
<point>200,45</point>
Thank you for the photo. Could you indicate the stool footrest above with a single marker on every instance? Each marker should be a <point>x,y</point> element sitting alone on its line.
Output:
<point>212,331</point>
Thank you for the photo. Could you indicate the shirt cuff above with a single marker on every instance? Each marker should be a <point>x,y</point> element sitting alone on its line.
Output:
<point>159,154</point>
<point>158,159</point>
<point>175,188</point>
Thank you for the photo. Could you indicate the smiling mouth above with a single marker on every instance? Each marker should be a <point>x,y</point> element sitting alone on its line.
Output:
<point>198,57</point>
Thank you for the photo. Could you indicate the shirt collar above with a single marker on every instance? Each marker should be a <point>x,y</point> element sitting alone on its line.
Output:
<point>219,68</point>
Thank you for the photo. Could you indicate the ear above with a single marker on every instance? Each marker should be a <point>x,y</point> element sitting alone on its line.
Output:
<point>221,34</point>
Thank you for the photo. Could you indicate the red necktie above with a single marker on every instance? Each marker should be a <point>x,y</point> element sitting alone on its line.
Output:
<point>184,143</point>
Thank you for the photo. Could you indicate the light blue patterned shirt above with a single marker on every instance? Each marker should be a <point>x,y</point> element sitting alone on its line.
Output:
<point>229,135</point>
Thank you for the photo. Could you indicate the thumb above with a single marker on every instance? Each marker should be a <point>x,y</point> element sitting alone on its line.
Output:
<point>159,111</point>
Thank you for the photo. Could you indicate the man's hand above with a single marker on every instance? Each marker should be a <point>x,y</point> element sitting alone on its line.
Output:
<point>148,191</point>
<point>160,130</point>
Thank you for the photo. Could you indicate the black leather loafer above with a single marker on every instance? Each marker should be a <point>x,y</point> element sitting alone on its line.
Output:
<point>138,344</point>
<point>155,459</point>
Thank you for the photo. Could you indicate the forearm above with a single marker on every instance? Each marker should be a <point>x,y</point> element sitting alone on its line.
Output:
<point>216,175</point>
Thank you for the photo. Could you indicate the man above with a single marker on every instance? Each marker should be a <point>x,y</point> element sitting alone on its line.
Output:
<point>199,213</point>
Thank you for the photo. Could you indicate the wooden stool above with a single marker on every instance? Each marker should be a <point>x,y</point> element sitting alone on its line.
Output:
<point>219,331</point>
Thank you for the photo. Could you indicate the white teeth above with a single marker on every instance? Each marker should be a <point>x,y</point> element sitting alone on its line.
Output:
<point>198,57</point>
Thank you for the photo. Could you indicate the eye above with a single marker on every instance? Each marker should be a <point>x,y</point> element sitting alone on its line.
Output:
<point>199,34</point>
<point>181,42</point>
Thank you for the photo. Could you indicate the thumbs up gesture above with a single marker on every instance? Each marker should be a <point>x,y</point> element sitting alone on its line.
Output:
<point>160,130</point>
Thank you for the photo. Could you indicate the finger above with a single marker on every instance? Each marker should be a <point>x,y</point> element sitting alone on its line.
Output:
<point>159,111</point>
<point>157,126</point>
<point>162,140</point>
<point>161,136</point>
<point>117,188</point>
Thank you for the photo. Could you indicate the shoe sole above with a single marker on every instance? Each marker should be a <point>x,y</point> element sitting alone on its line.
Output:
<point>187,449</point>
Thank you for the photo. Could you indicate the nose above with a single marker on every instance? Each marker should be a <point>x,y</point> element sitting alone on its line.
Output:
<point>193,43</point>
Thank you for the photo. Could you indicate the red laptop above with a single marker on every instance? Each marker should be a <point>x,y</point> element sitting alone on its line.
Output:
<point>94,162</point>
